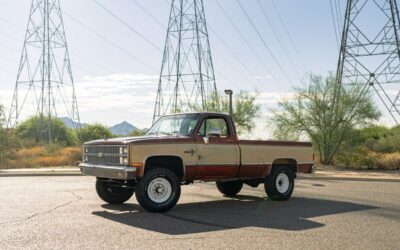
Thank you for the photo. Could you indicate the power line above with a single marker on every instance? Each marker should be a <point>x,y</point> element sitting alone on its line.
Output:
<point>6,71</point>
<point>76,55</point>
<point>92,63</point>
<point>156,20</point>
<point>263,40</point>
<point>338,13</point>
<point>277,37</point>
<point>234,67</point>
<point>124,51</point>
<point>245,40</point>
<point>127,25</point>
<point>231,51</point>
<point>285,28</point>
<point>227,79</point>
<point>8,47</point>
<point>334,24</point>
<point>149,14</point>
<point>12,24</point>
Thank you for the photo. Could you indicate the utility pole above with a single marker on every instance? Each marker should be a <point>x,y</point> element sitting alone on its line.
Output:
<point>44,85</point>
<point>187,78</point>
<point>370,55</point>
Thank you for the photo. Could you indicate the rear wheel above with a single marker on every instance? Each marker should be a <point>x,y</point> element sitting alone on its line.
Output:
<point>159,190</point>
<point>229,188</point>
<point>113,193</point>
<point>279,185</point>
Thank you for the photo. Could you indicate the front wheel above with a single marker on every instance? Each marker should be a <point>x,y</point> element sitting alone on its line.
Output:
<point>279,185</point>
<point>159,190</point>
<point>112,192</point>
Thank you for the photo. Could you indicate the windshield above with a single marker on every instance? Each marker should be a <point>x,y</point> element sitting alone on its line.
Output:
<point>175,125</point>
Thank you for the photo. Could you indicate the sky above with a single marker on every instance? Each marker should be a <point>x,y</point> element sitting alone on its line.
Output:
<point>112,86</point>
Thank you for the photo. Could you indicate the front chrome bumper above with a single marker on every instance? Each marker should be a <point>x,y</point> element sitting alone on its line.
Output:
<point>110,172</point>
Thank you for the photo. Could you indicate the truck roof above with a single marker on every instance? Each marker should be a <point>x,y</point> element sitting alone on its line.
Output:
<point>194,113</point>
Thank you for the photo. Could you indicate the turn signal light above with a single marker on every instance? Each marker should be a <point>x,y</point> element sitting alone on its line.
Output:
<point>137,164</point>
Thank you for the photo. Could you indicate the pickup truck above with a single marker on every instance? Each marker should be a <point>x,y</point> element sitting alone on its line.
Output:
<point>182,148</point>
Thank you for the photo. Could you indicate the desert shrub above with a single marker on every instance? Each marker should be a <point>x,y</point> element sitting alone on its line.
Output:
<point>95,132</point>
<point>137,133</point>
<point>8,141</point>
<point>355,158</point>
<point>36,129</point>
<point>386,142</point>
<point>374,132</point>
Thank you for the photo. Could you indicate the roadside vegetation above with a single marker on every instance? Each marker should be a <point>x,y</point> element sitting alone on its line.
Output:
<point>22,147</point>
<point>340,123</point>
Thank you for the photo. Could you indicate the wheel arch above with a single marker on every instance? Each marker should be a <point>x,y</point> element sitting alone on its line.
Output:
<point>290,162</point>
<point>171,162</point>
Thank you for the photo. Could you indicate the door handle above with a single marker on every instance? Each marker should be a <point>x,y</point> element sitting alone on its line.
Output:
<point>191,151</point>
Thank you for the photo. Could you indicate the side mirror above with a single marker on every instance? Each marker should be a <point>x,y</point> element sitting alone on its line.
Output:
<point>214,133</point>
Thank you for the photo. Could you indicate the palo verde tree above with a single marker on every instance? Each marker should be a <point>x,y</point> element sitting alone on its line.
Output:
<point>326,113</point>
<point>245,110</point>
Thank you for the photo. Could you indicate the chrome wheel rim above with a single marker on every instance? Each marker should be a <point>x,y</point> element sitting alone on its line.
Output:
<point>282,183</point>
<point>159,190</point>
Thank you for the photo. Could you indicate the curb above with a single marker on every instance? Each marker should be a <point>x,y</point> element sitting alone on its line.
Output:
<point>347,178</point>
<point>39,174</point>
<point>45,172</point>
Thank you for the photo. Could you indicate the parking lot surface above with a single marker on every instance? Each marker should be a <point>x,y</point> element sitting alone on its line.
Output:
<point>64,212</point>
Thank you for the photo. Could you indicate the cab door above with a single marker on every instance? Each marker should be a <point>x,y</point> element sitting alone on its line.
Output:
<point>217,149</point>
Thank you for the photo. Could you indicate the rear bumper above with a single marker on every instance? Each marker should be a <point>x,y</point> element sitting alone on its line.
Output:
<point>109,172</point>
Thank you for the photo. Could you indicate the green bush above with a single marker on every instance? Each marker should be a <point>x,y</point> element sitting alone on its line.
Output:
<point>95,132</point>
<point>355,158</point>
<point>8,142</point>
<point>36,129</point>
<point>383,141</point>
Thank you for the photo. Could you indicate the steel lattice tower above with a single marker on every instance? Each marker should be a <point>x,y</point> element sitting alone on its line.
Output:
<point>187,76</point>
<point>45,85</point>
<point>370,51</point>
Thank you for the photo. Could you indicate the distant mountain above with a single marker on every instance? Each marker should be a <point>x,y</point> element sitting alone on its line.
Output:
<point>124,128</point>
<point>70,123</point>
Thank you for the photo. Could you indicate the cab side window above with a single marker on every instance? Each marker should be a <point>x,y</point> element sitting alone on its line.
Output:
<point>213,127</point>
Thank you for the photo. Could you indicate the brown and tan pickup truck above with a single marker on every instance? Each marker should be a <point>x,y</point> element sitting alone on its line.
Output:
<point>182,148</point>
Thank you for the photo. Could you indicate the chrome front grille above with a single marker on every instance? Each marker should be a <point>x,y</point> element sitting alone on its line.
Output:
<point>105,155</point>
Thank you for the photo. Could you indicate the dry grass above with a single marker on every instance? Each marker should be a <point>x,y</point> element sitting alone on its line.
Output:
<point>386,161</point>
<point>40,156</point>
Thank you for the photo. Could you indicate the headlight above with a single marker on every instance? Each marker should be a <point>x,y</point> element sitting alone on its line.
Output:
<point>123,150</point>
<point>86,149</point>
<point>123,160</point>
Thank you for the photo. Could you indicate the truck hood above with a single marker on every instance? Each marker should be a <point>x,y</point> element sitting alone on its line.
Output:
<point>139,140</point>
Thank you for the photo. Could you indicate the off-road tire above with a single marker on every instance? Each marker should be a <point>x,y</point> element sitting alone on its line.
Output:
<point>276,181</point>
<point>229,188</point>
<point>111,193</point>
<point>143,185</point>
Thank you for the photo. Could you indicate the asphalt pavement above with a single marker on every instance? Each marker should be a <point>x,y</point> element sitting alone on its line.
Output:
<point>64,212</point>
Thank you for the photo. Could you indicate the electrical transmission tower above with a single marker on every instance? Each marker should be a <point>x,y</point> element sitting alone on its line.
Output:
<point>370,51</point>
<point>187,79</point>
<point>44,86</point>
